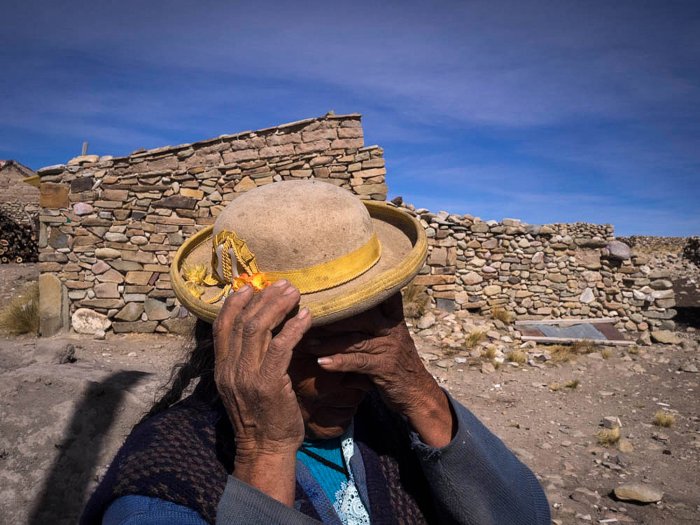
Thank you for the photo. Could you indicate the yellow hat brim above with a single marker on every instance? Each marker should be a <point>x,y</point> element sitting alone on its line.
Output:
<point>404,249</point>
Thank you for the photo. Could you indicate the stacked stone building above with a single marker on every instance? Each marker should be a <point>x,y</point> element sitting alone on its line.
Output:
<point>110,226</point>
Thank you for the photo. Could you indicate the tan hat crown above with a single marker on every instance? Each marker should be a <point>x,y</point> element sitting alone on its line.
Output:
<point>325,223</point>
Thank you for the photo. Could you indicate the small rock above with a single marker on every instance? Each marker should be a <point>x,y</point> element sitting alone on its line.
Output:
<point>82,208</point>
<point>584,495</point>
<point>587,296</point>
<point>100,335</point>
<point>426,321</point>
<point>638,492</point>
<point>644,339</point>
<point>611,422</point>
<point>690,367</point>
<point>131,354</point>
<point>625,446</point>
<point>665,337</point>
<point>66,355</point>
<point>487,368</point>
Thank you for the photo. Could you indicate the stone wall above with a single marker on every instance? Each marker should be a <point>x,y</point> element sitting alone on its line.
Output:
<point>650,244</point>
<point>18,201</point>
<point>109,226</point>
<point>555,270</point>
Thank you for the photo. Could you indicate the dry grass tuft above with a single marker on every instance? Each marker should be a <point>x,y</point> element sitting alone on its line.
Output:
<point>608,436</point>
<point>565,353</point>
<point>517,356</point>
<point>489,353</point>
<point>664,419</point>
<point>21,315</point>
<point>572,384</point>
<point>607,353</point>
<point>474,338</point>
<point>415,300</point>
<point>633,350</point>
<point>502,315</point>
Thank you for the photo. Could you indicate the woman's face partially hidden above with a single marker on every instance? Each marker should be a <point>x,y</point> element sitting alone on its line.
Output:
<point>328,400</point>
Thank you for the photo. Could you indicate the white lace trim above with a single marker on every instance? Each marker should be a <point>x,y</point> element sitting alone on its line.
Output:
<point>348,504</point>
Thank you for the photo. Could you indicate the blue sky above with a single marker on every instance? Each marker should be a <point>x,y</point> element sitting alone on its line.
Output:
<point>552,111</point>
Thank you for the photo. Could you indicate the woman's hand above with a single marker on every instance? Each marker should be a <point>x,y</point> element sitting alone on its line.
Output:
<point>252,380</point>
<point>381,348</point>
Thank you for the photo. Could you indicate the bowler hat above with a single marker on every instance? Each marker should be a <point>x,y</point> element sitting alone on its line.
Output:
<point>345,255</point>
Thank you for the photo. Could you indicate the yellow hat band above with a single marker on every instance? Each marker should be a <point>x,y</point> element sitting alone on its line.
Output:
<point>332,273</point>
<point>312,279</point>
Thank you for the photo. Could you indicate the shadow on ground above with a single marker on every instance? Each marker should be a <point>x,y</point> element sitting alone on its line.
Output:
<point>62,497</point>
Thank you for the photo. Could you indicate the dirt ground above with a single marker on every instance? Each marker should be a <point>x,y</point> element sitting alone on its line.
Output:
<point>60,424</point>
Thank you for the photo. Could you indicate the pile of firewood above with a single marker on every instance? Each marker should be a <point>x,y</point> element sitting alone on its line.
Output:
<point>691,250</point>
<point>17,241</point>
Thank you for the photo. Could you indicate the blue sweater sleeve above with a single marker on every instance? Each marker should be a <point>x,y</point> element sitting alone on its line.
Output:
<point>475,479</point>
<point>144,510</point>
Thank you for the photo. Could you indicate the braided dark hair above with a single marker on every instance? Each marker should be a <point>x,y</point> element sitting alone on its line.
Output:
<point>199,365</point>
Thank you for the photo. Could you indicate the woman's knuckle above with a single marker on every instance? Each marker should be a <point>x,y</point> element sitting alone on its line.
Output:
<point>363,361</point>
<point>363,345</point>
<point>251,327</point>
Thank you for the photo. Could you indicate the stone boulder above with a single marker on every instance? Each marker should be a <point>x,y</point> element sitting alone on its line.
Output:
<point>86,321</point>
<point>666,337</point>
<point>638,493</point>
<point>618,251</point>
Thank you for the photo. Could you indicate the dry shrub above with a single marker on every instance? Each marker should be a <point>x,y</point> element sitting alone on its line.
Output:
<point>489,353</point>
<point>572,384</point>
<point>564,353</point>
<point>517,356</point>
<point>415,300</point>
<point>606,353</point>
<point>633,350</point>
<point>502,315</point>
<point>664,419</point>
<point>474,338</point>
<point>608,436</point>
<point>21,315</point>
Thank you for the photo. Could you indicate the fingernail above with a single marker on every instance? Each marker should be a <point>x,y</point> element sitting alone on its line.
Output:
<point>289,291</point>
<point>303,313</point>
<point>280,284</point>
<point>324,360</point>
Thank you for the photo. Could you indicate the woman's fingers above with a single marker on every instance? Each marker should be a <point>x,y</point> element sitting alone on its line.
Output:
<point>279,352</point>
<point>224,322</point>
<point>255,324</point>
<point>359,362</point>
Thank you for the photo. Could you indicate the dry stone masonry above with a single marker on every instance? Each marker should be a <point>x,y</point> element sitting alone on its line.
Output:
<point>529,271</point>
<point>110,226</point>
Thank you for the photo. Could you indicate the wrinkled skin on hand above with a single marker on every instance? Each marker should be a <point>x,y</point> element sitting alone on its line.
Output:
<point>251,368</point>
<point>377,345</point>
<point>278,385</point>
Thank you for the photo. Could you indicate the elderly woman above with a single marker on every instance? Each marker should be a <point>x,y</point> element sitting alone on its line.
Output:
<point>311,403</point>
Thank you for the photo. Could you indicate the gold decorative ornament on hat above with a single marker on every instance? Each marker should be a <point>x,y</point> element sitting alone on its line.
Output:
<point>345,256</point>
